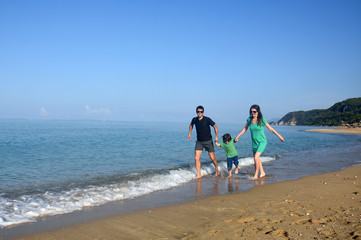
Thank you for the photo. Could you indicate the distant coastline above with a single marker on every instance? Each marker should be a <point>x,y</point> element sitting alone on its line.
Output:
<point>346,113</point>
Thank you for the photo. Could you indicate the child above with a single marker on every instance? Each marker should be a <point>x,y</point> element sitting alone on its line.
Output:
<point>231,152</point>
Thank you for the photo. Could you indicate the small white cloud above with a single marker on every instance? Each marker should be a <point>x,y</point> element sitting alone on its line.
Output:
<point>93,111</point>
<point>43,111</point>
<point>87,108</point>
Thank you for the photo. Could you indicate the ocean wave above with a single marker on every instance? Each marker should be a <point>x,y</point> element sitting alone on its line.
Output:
<point>30,207</point>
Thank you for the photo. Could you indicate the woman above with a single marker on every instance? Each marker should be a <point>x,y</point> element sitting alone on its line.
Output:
<point>256,124</point>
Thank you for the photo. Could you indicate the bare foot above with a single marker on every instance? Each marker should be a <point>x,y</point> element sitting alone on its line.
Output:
<point>217,174</point>
<point>236,171</point>
<point>262,176</point>
<point>252,179</point>
<point>198,177</point>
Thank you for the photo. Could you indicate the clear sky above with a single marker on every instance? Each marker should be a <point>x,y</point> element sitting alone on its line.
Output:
<point>150,60</point>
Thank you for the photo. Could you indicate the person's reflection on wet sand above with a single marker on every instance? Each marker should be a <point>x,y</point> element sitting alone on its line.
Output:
<point>216,184</point>
<point>237,184</point>
<point>230,185</point>
<point>199,187</point>
<point>259,182</point>
<point>232,188</point>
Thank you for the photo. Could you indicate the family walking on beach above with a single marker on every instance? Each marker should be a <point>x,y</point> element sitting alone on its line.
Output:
<point>255,123</point>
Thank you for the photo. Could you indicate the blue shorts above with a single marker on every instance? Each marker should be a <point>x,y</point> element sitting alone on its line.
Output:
<point>230,161</point>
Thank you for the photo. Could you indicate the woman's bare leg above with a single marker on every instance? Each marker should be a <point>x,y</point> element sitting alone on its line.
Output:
<point>258,165</point>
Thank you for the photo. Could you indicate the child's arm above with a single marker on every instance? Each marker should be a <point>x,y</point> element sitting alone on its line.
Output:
<point>217,144</point>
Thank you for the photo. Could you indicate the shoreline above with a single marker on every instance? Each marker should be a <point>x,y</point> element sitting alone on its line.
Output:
<point>63,226</point>
<point>326,205</point>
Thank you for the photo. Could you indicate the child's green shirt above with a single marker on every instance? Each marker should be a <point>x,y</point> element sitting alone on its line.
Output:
<point>229,149</point>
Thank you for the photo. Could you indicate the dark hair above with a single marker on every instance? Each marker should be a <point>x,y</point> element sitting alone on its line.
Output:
<point>227,137</point>
<point>260,116</point>
<point>200,107</point>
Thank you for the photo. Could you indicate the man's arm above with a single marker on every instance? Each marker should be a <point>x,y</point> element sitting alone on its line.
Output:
<point>216,132</point>
<point>190,131</point>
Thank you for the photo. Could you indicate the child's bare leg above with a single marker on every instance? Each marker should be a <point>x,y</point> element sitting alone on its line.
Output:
<point>230,173</point>
<point>236,171</point>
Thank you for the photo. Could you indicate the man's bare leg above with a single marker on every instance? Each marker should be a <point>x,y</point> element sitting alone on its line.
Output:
<point>214,160</point>
<point>197,158</point>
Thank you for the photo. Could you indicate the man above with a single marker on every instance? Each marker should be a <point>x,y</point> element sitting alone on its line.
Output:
<point>204,138</point>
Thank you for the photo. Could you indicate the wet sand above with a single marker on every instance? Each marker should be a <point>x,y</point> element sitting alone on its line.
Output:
<point>338,130</point>
<point>320,207</point>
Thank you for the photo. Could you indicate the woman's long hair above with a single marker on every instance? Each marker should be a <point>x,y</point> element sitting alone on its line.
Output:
<point>260,116</point>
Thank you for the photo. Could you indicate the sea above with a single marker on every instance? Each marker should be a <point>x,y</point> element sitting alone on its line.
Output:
<point>57,167</point>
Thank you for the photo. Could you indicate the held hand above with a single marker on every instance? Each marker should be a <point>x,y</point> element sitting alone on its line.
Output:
<point>216,139</point>
<point>236,140</point>
<point>282,139</point>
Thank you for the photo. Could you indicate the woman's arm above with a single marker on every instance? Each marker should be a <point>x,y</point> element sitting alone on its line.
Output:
<point>275,132</point>
<point>243,131</point>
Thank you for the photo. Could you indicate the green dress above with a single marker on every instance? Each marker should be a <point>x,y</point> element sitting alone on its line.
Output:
<point>259,141</point>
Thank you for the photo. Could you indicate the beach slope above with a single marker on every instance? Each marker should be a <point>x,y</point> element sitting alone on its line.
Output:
<point>337,130</point>
<point>322,206</point>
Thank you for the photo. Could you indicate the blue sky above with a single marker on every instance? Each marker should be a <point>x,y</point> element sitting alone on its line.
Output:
<point>157,60</point>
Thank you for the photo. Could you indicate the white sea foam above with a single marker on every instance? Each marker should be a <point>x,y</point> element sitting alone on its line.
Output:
<point>28,208</point>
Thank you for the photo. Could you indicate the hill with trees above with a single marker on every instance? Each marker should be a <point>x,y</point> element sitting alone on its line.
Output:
<point>347,112</point>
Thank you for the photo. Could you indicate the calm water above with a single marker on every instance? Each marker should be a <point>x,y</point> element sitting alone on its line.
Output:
<point>56,167</point>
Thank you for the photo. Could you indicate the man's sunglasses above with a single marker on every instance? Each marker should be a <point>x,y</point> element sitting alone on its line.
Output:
<point>199,111</point>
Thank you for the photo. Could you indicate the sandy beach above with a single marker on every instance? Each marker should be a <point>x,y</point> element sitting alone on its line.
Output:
<point>315,207</point>
<point>338,130</point>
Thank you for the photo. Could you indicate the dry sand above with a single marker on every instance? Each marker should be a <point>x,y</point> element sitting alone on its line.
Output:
<point>325,206</point>
<point>338,130</point>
